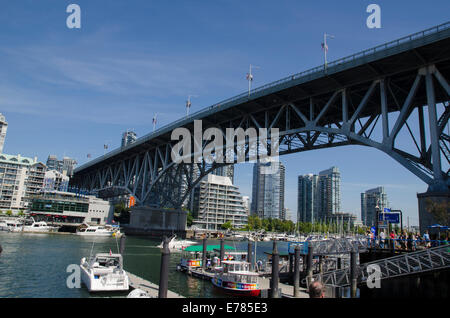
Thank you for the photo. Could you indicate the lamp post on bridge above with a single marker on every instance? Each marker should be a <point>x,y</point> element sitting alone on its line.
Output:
<point>250,78</point>
<point>154,121</point>
<point>325,47</point>
<point>188,104</point>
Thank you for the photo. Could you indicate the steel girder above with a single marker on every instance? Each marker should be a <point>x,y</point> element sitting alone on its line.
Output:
<point>304,124</point>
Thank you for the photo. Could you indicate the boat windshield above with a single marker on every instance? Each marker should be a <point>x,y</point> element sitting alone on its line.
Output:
<point>107,261</point>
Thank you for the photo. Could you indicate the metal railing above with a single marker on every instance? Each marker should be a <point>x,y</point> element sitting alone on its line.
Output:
<point>304,74</point>
<point>406,264</point>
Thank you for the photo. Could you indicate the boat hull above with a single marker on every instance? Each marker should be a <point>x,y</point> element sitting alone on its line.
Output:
<point>94,284</point>
<point>236,289</point>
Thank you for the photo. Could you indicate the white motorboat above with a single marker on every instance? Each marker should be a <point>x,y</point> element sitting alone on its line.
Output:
<point>11,225</point>
<point>39,227</point>
<point>177,245</point>
<point>104,272</point>
<point>234,237</point>
<point>107,230</point>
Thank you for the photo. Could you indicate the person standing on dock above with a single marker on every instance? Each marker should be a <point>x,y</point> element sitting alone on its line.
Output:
<point>382,239</point>
<point>426,237</point>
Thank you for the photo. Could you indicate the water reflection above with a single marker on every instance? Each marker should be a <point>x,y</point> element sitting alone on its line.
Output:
<point>34,265</point>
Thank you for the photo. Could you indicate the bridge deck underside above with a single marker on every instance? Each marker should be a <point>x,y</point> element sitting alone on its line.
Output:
<point>337,106</point>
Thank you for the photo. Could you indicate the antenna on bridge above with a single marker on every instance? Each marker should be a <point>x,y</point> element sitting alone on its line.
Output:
<point>250,78</point>
<point>325,47</point>
<point>154,121</point>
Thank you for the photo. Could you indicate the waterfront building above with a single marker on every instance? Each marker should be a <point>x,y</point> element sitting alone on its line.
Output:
<point>319,196</point>
<point>20,178</point>
<point>372,200</point>
<point>55,181</point>
<point>329,192</point>
<point>246,200</point>
<point>68,207</point>
<point>64,166</point>
<point>288,215</point>
<point>217,201</point>
<point>3,128</point>
<point>307,200</point>
<point>128,137</point>
<point>225,171</point>
<point>268,190</point>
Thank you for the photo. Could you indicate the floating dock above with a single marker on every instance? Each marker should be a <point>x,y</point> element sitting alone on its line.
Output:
<point>287,291</point>
<point>149,287</point>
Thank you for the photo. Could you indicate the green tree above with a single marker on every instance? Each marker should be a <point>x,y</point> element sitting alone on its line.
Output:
<point>226,226</point>
<point>9,212</point>
<point>439,210</point>
<point>121,213</point>
<point>189,219</point>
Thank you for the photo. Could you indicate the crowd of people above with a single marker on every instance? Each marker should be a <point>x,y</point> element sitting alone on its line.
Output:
<point>407,241</point>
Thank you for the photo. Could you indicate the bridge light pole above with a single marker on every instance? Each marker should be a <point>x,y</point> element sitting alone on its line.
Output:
<point>154,121</point>
<point>325,47</point>
<point>188,104</point>
<point>249,78</point>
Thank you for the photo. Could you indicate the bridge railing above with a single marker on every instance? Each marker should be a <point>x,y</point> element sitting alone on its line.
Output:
<point>316,69</point>
<point>303,74</point>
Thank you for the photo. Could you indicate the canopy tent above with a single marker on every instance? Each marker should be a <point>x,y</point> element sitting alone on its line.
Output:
<point>438,226</point>
<point>209,248</point>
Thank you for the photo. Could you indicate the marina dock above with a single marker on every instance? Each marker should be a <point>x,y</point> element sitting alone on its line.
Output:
<point>149,287</point>
<point>287,291</point>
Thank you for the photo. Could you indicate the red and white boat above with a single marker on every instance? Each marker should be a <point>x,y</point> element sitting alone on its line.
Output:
<point>235,278</point>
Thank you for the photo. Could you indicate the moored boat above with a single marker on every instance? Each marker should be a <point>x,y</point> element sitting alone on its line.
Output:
<point>235,278</point>
<point>88,230</point>
<point>39,227</point>
<point>11,225</point>
<point>176,245</point>
<point>104,272</point>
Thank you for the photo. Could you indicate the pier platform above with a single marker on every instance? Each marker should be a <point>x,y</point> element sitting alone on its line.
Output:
<point>149,287</point>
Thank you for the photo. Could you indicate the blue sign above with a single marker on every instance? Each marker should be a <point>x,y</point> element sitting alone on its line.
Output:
<point>372,229</point>
<point>390,217</point>
<point>387,210</point>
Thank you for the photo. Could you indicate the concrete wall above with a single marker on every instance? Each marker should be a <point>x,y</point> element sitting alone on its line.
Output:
<point>425,217</point>
<point>156,222</point>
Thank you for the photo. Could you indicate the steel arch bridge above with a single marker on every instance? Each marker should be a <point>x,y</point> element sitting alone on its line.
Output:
<point>364,99</point>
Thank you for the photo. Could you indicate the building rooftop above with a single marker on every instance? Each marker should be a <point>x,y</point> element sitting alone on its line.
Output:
<point>18,159</point>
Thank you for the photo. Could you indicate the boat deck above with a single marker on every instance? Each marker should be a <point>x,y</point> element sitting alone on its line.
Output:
<point>147,286</point>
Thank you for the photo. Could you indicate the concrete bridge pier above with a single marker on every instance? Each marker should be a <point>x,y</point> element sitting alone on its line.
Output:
<point>432,206</point>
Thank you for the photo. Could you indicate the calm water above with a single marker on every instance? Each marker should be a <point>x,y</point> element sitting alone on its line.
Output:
<point>34,265</point>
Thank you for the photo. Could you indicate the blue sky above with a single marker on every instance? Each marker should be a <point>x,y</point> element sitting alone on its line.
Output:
<point>67,91</point>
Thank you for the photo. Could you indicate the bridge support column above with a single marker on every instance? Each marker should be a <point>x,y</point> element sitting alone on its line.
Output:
<point>433,209</point>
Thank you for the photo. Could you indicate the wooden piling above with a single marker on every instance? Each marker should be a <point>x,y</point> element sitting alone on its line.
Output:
<point>164,271</point>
